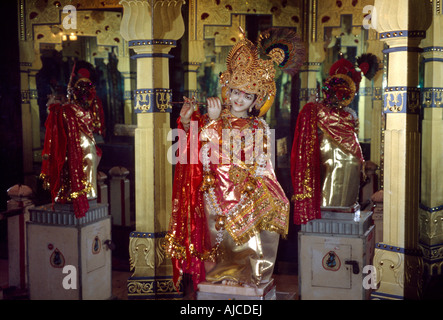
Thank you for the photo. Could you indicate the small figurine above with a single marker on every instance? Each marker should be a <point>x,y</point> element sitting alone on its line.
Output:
<point>70,155</point>
<point>327,160</point>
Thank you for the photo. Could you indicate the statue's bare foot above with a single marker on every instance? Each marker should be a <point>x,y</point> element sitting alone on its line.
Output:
<point>230,283</point>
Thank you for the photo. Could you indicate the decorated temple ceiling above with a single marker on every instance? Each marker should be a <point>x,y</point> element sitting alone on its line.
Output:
<point>328,14</point>
<point>42,25</point>
<point>213,17</point>
<point>38,12</point>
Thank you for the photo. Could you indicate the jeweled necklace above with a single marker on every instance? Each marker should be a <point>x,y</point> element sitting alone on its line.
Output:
<point>209,181</point>
<point>227,124</point>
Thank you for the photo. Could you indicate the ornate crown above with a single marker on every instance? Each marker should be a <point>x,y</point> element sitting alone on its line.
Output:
<point>345,77</point>
<point>247,72</point>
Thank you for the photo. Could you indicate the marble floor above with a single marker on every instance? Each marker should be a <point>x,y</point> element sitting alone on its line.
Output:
<point>286,285</point>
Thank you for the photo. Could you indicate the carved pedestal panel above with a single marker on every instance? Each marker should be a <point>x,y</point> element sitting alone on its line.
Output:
<point>334,252</point>
<point>150,278</point>
<point>69,258</point>
<point>399,273</point>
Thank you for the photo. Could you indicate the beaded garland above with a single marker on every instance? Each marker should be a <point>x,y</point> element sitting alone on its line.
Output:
<point>211,198</point>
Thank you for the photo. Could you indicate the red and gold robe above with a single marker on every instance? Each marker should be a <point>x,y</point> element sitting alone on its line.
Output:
<point>69,157</point>
<point>318,129</point>
<point>252,230</point>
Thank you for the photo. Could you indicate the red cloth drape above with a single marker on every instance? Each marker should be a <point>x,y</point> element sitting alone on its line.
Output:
<point>188,230</point>
<point>62,141</point>
<point>305,166</point>
<point>305,155</point>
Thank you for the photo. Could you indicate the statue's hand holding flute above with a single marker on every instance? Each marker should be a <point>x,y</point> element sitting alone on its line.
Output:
<point>214,109</point>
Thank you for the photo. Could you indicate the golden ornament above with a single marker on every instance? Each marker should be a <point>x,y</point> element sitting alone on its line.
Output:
<point>220,223</point>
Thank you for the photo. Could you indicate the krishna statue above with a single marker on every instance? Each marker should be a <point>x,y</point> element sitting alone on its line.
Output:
<point>70,155</point>
<point>327,162</point>
<point>229,210</point>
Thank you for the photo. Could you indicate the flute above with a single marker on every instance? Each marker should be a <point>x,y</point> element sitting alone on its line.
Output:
<point>195,103</point>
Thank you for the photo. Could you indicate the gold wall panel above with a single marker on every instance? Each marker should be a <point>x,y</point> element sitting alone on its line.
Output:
<point>33,12</point>
<point>222,12</point>
<point>327,13</point>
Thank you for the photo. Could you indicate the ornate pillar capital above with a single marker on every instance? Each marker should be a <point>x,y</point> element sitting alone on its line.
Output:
<point>152,20</point>
<point>196,51</point>
<point>152,28</point>
<point>402,25</point>
<point>407,18</point>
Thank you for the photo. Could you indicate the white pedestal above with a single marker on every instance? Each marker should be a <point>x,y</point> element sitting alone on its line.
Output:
<point>210,291</point>
<point>67,257</point>
<point>331,265</point>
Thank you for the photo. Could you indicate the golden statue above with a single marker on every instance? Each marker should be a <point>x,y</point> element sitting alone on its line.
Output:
<point>327,159</point>
<point>229,210</point>
<point>70,154</point>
